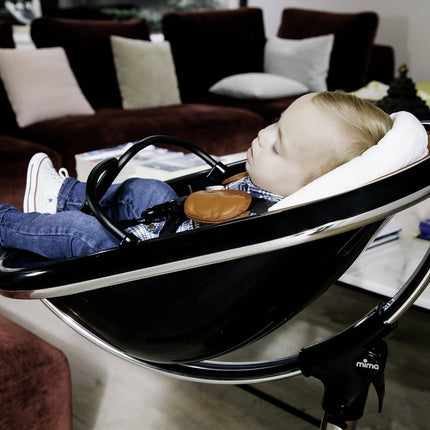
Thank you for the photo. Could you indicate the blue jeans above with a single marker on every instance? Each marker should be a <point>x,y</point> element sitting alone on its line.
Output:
<point>71,233</point>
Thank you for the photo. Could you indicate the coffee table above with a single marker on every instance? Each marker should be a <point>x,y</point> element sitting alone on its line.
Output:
<point>385,268</point>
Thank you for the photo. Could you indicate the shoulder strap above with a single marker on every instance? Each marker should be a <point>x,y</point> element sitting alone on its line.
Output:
<point>234,178</point>
<point>259,205</point>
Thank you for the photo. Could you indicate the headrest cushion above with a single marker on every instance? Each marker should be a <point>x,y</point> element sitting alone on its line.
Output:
<point>404,144</point>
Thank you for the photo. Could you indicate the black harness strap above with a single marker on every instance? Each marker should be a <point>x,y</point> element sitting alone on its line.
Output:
<point>259,206</point>
<point>172,212</point>
<point>158,213</point>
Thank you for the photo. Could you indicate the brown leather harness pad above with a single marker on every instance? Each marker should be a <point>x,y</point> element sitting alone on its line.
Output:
<point>215,206</point>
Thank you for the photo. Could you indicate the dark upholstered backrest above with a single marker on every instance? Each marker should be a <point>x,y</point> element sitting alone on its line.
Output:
<point>7,120</point>
<point>354,37</point>
<point>6,35</point>
<point>87,45</point>
<point>208,46</point>
<point>381,67</point>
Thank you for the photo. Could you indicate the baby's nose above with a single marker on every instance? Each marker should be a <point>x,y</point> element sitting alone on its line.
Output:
<point>263,137</point>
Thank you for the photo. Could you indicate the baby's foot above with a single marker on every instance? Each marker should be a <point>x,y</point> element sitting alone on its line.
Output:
<point>43,185</point>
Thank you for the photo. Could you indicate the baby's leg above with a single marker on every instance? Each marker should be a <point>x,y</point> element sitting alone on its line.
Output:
<point>60,235</point>
<point>123,201</point>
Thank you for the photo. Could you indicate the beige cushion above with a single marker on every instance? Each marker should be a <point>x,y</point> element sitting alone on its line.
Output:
<point>40,85</point>
<point>146,73</point>
<point>305,60</point>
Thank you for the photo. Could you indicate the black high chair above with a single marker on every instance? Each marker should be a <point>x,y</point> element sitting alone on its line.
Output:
<point>174,303</point>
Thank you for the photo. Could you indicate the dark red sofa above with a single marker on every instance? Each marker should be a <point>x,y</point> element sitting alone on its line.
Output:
<point>35,387</point>
<point>217,129</point>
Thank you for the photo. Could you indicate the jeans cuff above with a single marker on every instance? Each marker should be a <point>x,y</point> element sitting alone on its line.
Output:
<point>3,209</point>
<point>63,194</point>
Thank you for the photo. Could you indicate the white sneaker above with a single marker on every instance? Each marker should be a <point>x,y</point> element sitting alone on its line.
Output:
<point>43,185</point>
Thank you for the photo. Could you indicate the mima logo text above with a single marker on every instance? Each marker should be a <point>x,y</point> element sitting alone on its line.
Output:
<point>364,364</point>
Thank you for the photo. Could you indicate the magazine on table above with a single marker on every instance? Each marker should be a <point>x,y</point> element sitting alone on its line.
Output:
<point>150,162</point>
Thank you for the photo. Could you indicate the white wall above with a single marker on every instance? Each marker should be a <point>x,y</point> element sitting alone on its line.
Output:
<point>405,25</point>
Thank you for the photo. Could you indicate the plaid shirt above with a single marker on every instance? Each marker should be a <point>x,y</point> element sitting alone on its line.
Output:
<point>151,231</point>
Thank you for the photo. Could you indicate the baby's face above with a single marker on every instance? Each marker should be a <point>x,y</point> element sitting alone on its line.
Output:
<point>284,154</point>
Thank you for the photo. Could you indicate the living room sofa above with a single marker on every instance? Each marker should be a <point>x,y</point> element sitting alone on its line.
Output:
<point>206,47</point>
<point>217,129</point>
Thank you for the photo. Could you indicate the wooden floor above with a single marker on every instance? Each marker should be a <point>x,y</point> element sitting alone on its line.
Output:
<point>112,394</point>
<point>407,376</point>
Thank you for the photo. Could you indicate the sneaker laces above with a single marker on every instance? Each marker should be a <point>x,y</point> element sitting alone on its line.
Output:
<point>63,173</point>
<point>58,177</point>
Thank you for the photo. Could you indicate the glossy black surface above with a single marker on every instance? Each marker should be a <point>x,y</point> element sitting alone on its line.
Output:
<point>197,314</point>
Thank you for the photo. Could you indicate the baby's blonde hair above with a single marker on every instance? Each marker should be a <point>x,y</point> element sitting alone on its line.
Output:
<point>363,123</point>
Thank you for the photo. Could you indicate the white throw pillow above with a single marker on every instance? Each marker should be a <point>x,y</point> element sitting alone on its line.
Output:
<point>260,86</point>
<point>305,60</point>
<point>146,73</point>
<point>41,85</point>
